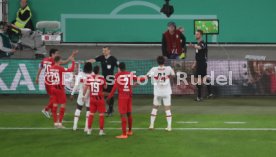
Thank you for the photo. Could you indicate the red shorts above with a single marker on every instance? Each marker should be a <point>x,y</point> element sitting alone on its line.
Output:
<point>97,104</point>
<point>125,105</point>
<point>58,96</point>
<point>48,89</point>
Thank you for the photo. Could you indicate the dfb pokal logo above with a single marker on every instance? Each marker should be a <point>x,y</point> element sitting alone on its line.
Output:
<point>52,78</point>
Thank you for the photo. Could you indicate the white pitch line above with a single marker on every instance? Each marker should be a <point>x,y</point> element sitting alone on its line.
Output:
<point>115,122</point>
<point>235,122</point>
<point>175,129</point>
<point>68,121</point>
<point>192,122</point>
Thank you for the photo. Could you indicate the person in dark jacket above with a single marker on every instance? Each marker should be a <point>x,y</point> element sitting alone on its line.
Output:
<point>23,17</point>
<point>174,43</point>
<point>6,47</point>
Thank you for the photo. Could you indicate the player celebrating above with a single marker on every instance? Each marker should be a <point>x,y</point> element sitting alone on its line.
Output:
<point>79,84</point>
<point>95,83</point>
<point>45,65</point>
<point>162,90</point>
<point>56,75</point>
<point>124,81</point>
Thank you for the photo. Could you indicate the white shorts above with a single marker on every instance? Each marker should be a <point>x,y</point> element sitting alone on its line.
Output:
<point>81,103</point>
<point>157,100</point>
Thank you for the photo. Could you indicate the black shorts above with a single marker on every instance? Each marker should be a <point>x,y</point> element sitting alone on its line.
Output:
<point>201,70</point>
<point>108,89</point>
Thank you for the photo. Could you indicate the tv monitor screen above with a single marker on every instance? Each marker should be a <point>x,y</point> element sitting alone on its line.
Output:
<point>207,26</point>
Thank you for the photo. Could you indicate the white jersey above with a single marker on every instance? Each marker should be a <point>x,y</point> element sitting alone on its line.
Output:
<point>79,83</point>
<point>160,77</point>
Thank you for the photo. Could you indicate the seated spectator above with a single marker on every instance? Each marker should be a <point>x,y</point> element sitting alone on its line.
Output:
<point>6,49</point>
<point>23,17</point>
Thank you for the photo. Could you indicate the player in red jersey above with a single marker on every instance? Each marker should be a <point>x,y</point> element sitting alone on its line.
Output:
<point>45,64</point>
<point>95,84</point>
<point>56,76</point>
<point>124,81</point>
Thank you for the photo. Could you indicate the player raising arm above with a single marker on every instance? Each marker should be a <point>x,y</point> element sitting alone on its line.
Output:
<point>56,75</point>
<point>108,65</point>
<point>45,65</point>
<point>124,82</point>
<point>95,85</point>
<point>79,85</point>
<point>160,76</point>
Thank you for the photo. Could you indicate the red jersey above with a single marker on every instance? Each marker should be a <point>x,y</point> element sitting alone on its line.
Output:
<point>96,84</point>
<point>56,74</point>
<point>46,64</point>
<point>124,82</point>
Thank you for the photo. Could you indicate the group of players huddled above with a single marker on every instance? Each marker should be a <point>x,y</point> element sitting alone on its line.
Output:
<point>94,89</point>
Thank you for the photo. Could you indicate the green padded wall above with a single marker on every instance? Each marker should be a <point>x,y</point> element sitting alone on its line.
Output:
<point>248,21</point>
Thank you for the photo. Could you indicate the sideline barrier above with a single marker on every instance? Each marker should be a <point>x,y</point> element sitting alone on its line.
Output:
<point>248,77</point>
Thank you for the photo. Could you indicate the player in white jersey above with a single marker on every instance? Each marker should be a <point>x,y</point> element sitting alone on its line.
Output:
<point>79,84</point>
<point>160,77</point>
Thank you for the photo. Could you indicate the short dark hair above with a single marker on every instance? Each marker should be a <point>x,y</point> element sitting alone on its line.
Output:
<point>96,69</point>
<point>122,66</point>
<point>87,68</point>
<point>172,24</point>
<point>160,60</point>
<point>200,31</point>
<point>52,51</point>
<point>57,59</point>
<point>106,47</point>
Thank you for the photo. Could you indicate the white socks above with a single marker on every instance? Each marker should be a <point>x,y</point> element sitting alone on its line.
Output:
<point>153,117</point>
<point>76,118</point>
<point>169,118</point>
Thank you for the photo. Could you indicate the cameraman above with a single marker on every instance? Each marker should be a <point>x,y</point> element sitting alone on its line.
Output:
<point>6,48</point>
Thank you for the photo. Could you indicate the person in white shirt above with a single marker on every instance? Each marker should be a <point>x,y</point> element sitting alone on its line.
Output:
<point>160,76</point>
<point>79,84</point>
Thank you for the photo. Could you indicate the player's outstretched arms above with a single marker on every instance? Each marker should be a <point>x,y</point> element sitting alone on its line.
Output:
<point>38,74</point>
<point>195,46</point>
<point>140,79</point>
<point>111,94</point>
<point>74,53</point>
<point>91,60</point>
<point>72,68</point>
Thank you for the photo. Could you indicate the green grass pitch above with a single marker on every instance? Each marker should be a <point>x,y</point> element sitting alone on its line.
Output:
<point>222,127</point>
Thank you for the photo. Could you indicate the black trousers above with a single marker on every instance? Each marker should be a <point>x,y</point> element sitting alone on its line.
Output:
<point>111,102</point>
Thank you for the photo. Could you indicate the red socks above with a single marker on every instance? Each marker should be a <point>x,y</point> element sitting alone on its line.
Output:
<point>54,113</point>
<point>124,123</point>
<point>61,114</point>
<point>130,122</point>
<point>49,106</point>
<point>101,122</point>
<point>90,121</point>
